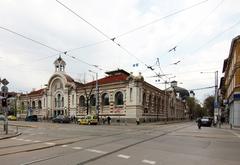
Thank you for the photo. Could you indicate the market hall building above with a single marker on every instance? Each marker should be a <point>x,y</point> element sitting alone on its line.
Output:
<point>121,96</point>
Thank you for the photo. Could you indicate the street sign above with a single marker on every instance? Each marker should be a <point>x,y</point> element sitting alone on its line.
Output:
<point>5,82</point>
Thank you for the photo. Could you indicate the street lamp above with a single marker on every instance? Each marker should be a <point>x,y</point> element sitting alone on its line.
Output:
<point>97,94</point>
<point>216,109</point>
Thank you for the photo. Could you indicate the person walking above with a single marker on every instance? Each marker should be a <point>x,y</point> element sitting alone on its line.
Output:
<point>109,120</point>
<point>199,122</point>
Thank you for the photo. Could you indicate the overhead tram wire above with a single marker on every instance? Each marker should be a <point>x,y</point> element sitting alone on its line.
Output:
<point>162,18</point>
<point>49,47</point>
<point>216,36</point>
<point>30,39</point>
<point>125,33</point>
<point>201,22</point>
<point>112,39</point>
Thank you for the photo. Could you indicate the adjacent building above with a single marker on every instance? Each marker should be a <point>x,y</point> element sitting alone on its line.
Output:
<point>120,95</point>
<point>230,83</point>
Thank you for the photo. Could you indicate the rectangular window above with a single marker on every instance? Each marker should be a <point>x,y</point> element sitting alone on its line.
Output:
<point>72,99</point>
<point>130,94</point>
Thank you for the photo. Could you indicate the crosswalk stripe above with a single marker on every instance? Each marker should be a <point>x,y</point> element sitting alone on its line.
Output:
<point>96,151</point>
<point>123,156</point>
<point>148,161</point>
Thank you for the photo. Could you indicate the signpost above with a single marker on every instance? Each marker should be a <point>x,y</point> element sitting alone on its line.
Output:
<point>4,90</point>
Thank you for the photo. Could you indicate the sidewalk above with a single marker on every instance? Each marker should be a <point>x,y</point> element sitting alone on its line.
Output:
<point>227,126</point>
<point>11,133</point>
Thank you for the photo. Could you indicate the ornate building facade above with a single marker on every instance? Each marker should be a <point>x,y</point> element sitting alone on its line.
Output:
<point>119,95</point>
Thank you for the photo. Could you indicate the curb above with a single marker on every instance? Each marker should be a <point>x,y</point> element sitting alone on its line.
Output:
<point>19,125</point>
<point>11,136</point>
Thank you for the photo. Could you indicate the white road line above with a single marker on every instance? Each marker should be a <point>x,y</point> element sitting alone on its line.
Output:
<point>148,161</point>
<point>96,151</point>
<point>19,139</point>
<point>64,146</point>
<point>48,143</point>
<point>27,140</point>
<point>236,134</point>
<point>123,156</point>
<point>37,141</point>
<point>77,148</point>
<point>14,138</point>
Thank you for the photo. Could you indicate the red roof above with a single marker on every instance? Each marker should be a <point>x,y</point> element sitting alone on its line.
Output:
<point>37,92</point>
<point>110,79</point>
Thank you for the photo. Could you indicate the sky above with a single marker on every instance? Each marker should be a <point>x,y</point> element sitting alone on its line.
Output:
<point>143,32</point>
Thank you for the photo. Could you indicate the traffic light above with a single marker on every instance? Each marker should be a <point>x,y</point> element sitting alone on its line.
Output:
<point>4,102</point>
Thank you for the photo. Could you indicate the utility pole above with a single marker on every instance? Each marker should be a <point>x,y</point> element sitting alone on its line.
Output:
<point>216,106</point>
<point>4,90</point>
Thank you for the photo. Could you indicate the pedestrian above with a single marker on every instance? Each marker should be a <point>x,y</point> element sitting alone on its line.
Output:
<point>199,122</point>
<point>109,120</point>
<point>137,121</point>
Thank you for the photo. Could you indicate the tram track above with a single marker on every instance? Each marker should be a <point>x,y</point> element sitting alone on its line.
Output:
<point>164,132</point>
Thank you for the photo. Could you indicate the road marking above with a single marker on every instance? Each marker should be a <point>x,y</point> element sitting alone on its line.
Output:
<point>77,148</point>
<point>96,151</point>
<point>32,134</point>
<point>48,143</point>
<point>148,161</point>
<point>236,134</point>
<point>19,139</point>
<point>64,146</point>
<point>13,138</point>
<point>123,156</point>
<point>27,140</point>
<point>37,141</point>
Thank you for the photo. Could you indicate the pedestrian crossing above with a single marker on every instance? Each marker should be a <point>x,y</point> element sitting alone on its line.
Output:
<point>91,150</point>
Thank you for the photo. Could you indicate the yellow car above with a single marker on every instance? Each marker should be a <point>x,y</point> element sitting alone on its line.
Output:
<point>89,119</point>
<point>12,117</point>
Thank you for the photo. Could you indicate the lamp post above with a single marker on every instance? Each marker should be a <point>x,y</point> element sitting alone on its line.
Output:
<point>216,105</point>
<point>97,94</point>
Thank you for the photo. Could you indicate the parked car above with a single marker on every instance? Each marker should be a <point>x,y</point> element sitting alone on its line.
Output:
<point>2,117</point>
<point>206,121</point>
<point>12,117</point>
<point>31,118</point>
<point>61,119</point>
<point>89,119</point>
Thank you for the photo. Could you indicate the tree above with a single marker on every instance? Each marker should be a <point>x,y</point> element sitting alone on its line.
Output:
<point>191,105</point>
<point>209,105</point>
<point>88,95</point>
<point>195,108</point>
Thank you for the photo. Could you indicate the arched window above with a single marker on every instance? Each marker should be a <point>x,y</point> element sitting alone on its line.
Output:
<point>93,100</point>
<point>82,101</point>
<point>150,102</point>
<point>155,103</point>
<point>39,104</point>
<point>105,99</point>
<point>55,102</point>
<point>33,105</point>
<point>62,101</point>
<point>119,98</point>
<point>58,100</point>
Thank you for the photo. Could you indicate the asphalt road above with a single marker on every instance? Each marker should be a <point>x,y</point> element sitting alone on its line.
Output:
<point>67,144</point>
